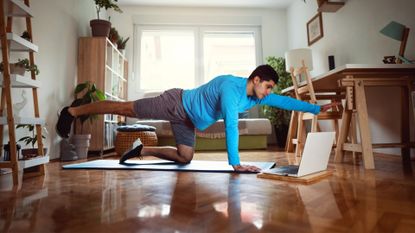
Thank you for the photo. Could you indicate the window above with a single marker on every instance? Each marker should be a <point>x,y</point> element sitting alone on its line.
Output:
<point>169,57</point>
<point>228,53</point>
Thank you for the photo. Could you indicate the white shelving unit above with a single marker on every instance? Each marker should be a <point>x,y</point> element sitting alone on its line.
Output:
<point>101,63</point>
<point>11,42</point>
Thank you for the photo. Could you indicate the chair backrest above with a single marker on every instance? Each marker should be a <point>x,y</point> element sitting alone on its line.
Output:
<point>306,92</point>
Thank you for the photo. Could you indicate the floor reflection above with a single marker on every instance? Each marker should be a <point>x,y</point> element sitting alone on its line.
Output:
<point>183,202</point>
<point>352,200</point>
<point>198,205</point>
<point>20,206</point>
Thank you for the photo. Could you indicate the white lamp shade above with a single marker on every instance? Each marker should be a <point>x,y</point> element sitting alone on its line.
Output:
<point>295,57</point>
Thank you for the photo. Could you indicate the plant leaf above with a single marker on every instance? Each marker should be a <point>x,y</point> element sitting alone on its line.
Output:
<point>80,87</point>
<point>100,94</point>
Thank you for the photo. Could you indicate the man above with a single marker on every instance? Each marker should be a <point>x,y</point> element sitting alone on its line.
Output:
<point>221,98</point>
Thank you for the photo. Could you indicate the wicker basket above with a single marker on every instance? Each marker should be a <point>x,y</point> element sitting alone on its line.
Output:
<point>124,140</point>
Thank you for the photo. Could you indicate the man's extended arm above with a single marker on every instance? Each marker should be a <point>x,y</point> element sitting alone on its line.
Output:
<point>288,103</point>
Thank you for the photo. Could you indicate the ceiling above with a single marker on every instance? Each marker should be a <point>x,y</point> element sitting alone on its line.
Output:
<point>275,4</point>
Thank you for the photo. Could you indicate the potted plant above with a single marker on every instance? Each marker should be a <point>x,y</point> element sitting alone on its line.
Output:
<point>6,154</point>
<point>121,43</point>
<point>102,27</point>
<point>85,93</point>
<point>279,118</point>
<point>25,35</point>
<point>113,36</point>
<point>31,139</point>
<point>20,67</point>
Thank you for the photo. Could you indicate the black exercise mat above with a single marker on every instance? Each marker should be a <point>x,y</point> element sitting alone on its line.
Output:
<point>162,165</point>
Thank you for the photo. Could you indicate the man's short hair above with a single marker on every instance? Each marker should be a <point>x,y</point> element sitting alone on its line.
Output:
<point>265,73</point>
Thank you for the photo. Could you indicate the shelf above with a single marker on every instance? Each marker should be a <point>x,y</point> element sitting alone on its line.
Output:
<point>33,162</point>
<point>17,43</point>
<point>19,81</point>
<point>17,8</point>
<point>113,46</point>
<point>116,73</point>
<point>23,120</point>
<point>329,6</point>
<point>27,163</point>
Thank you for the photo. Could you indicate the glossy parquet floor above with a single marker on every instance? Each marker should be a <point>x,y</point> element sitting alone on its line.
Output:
<point>352,200</point>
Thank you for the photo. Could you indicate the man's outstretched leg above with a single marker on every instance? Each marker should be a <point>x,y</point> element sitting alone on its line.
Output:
<point>68,114</point>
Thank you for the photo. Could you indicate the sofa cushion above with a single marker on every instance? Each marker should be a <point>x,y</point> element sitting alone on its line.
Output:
<point>248,126</point>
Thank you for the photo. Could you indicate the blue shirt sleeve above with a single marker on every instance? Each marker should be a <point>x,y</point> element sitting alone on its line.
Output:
<point>229,106</point>
<point>288,103</point>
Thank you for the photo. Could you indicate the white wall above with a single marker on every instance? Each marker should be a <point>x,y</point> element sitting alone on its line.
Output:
<point>273,26</point>
<point>352,36</point>
<point>57,24</point>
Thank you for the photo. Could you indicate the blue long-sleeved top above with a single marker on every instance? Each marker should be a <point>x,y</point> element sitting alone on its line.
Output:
<point>223,98</point>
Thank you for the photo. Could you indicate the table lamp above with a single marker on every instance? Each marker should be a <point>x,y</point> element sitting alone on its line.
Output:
<point>297,59</point>
<point>398,32</point>
<point>298,62</point>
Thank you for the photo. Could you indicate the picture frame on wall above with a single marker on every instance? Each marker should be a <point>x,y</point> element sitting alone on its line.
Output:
<point>315,29</point>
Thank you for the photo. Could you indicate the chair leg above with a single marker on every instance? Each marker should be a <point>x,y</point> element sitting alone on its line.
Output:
<point>336,129</point>
<point>314,124</point>
<point>353,137</point>
<point>301,137</point>
<point>289,145</point>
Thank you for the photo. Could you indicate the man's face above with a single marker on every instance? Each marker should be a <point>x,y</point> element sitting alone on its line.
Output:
<point>262,89</point>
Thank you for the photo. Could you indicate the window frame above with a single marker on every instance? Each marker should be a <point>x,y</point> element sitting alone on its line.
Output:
<point>198,31</point>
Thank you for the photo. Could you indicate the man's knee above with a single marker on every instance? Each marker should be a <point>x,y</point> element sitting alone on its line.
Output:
<point>186,153</point>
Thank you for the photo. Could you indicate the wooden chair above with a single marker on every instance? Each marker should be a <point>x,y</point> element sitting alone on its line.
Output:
<point>307,93</point>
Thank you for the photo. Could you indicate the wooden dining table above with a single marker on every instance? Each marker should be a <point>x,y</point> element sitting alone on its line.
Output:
<point>352,79</point>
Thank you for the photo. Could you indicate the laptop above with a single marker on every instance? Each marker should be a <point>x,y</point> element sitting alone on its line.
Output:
<point>315,156</point>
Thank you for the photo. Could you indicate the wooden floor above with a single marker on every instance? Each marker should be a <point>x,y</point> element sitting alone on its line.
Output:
<point>352,200</point>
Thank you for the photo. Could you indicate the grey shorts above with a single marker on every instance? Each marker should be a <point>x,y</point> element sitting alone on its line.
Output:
<point>168,106</point>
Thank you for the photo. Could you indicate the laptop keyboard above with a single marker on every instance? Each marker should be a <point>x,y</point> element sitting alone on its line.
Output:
<point>290,169</point>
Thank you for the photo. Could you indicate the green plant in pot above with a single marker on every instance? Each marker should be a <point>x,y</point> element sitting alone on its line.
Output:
<point>21,66</point>
<point>279,118</point>
<point>113,36</point>
<point>121,43</point>
<point>32,140</point>
<point>99,26</point>
<point>84,93</point>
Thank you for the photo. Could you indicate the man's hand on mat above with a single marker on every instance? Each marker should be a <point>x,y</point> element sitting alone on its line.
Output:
<point>246,168</point>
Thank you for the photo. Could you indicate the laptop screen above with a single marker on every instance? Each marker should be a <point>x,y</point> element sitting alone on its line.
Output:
<point>316,152</point>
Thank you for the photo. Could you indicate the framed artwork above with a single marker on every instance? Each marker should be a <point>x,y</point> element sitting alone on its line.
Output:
<point>315,29</point>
